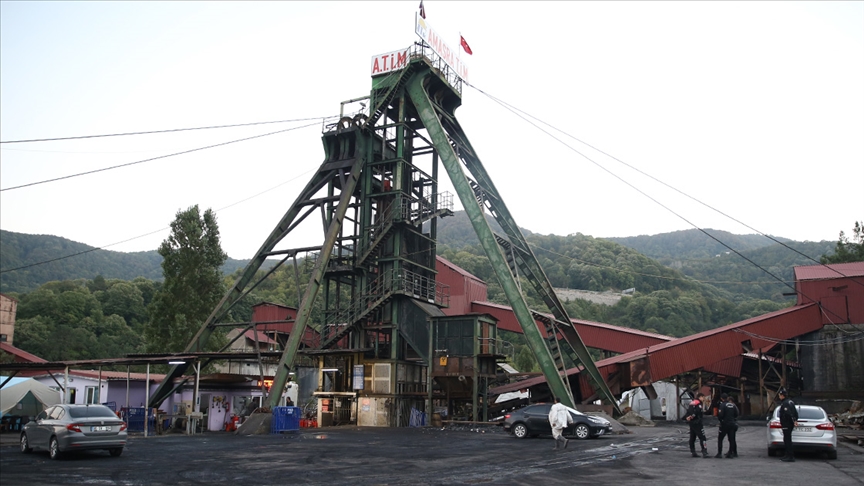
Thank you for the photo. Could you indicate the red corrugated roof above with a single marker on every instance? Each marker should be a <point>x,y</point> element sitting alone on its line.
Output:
<point>262,338</point>
<point>607,335</point>
<point>835,270</point>
<point>264,302</point>
<point>20,353</point>
<point>707,348</point>
<point>458,269</point>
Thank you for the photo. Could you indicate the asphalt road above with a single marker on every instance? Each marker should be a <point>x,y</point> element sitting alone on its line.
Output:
<point>427,456</point>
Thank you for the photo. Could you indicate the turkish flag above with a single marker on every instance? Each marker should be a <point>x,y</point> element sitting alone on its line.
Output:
<point>465,45</point>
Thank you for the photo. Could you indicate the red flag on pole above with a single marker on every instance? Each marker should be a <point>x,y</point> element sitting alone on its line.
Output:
<point>422,10</point>
<point>465,45</point>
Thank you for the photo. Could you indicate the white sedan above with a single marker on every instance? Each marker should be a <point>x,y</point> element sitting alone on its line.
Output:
<point>815,432</point>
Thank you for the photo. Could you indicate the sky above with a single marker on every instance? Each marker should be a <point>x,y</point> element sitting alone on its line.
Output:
<point>646,117</point>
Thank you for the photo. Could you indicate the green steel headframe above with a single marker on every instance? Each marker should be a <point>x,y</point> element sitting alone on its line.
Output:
<point>416,98</point>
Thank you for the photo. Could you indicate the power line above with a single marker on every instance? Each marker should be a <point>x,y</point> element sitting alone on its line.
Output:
<point>815,342</point>
<point>150,233</point>
<point>81,252</point>
<point>635,188</point>
<point>630,272</point>
<point>165,131</point>
<point>514,109</point>
<point>519,113</point>
<point>600,166</point>
<point>155,158</point>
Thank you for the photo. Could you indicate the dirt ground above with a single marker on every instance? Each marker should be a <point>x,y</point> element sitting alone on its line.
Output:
<point>427,456</point>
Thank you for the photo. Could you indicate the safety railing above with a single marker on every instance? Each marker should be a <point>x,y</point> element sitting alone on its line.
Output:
<point>403,208</point>
<point>381,289</point>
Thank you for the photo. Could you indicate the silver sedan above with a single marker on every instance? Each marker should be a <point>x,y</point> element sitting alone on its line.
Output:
<point>64,428</point>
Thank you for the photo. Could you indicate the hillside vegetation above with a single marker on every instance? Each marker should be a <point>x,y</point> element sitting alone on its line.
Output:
<point>19,250</point>
<point>97,302</point>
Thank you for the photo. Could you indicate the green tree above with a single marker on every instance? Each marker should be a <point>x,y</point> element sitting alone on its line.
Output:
<point>192,258</point>
<point>525,361</point>
<point>125,300</point>
<point>846,250</point>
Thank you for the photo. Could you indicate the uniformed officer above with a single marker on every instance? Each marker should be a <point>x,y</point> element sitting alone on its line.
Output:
<point>694,419</point>
<point>728,416</point>
<point>788,421</point>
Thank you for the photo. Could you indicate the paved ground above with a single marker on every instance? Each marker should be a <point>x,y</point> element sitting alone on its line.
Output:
<point>428,456</point>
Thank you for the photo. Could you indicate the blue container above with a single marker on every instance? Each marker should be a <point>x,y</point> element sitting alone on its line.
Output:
<point>285,419</point>
<point>135,421</point>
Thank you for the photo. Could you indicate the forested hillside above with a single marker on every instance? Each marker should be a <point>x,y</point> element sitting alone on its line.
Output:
<point>692,244</point>
<point>97,306</point>
<point>665,301</point>
<point>735,274</point>
<point>19,250</point>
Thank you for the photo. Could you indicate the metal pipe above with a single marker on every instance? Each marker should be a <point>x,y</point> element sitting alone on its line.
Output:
<point>127,387</point>
<point>761,385</point>
<point>147,400</point>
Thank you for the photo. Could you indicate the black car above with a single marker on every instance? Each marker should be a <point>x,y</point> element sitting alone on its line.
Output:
<point>533,420</point>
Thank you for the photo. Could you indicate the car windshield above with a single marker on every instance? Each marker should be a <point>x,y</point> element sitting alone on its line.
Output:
<point>810,414</point>
<point>805,413</point>
<point>93,411</point>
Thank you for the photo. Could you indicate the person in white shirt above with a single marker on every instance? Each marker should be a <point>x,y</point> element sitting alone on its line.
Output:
<point>559,418</point>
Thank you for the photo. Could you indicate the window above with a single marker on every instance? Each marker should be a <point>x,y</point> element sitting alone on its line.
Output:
<point>100,411</point>
<point>92,395</point>
<point>56,413</point>
<point>3,338</point>
<point>381,378</point>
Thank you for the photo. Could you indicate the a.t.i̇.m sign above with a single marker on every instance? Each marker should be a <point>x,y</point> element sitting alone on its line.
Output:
<point>396,60</point>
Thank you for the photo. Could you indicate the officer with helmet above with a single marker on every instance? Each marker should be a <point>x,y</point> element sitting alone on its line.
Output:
<point>694,419</point>
<point>788,422</point>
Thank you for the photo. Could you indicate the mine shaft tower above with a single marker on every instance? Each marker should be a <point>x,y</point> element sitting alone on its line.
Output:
<point>377,192</point>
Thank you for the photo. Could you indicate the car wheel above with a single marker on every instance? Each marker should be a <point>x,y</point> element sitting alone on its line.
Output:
<point>520,430</point>
<point>115,452</point>
<point>582,431</point>
<point>25,445</point>
<point>54,448</point>
<point>832,455</point>
<point>771,452</point>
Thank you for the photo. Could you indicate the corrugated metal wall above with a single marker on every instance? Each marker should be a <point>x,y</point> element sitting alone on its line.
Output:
<point>464,287</point>
<point>267,312</point>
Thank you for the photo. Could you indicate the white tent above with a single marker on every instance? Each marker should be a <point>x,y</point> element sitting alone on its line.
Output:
<point>32,395</point>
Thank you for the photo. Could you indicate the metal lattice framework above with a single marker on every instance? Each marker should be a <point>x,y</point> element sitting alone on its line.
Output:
<point>377,191</point>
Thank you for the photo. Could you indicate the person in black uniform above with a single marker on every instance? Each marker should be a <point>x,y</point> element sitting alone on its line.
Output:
<point>788,421</point>
<point>694,419</point>
<point>728,416</point>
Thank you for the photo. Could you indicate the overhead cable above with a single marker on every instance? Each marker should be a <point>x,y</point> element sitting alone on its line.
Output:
<point>156,158</point>
<point>152,232</point>
<point>164,131</point>
<point>667,208</point>
<point>513,108</point>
